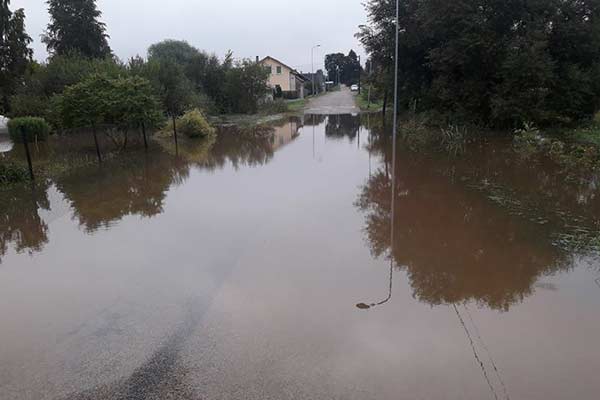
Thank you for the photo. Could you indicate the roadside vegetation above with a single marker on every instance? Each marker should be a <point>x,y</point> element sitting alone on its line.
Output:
<point>497,67</point>
<point>83,87</point>
<point>369,99</point>
<point>296,105</point>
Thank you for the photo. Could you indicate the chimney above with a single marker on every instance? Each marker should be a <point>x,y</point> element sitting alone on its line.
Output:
<point>257,59</point>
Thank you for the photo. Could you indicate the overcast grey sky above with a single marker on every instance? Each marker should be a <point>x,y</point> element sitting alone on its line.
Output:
<point>280,28</point>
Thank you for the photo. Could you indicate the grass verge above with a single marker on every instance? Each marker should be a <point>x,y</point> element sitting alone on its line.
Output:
<point>296,105</point>
<point>362,100</point>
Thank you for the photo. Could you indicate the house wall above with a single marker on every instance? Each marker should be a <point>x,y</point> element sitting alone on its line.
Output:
<point>283,79</point>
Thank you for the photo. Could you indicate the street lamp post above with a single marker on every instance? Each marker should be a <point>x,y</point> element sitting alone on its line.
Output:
<point>312,62</point>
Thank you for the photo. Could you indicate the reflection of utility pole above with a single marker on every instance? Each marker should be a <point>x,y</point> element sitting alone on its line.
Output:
<point>313,124</point>
<point>364,306</point>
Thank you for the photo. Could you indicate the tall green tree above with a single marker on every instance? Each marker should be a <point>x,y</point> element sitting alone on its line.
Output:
<point>245,86</point>
<point>495,62</point>
<point>175,90</point>
<point>348,66</point>
<point>75,28</point>
<point>15,54</point>
<point>205,71</point>
<point>85,105</point>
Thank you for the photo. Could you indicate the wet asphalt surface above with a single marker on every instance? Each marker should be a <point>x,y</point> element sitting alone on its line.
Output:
<point>338,102</point>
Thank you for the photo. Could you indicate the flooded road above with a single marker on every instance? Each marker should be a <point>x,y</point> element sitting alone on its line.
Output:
<point>271,266</point>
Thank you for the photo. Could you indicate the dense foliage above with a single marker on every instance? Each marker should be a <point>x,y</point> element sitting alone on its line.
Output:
<point>74,27</point>
<point>34,128</point>
<point>82,85</point>
<point>42,81</point>
<point>221,87</point>
<point>496,62</point>
<point>123,102</point>
<point>348,67</point>
<point>15,53</point>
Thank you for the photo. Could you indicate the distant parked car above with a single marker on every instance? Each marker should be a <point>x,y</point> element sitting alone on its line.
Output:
<point>354,88</point>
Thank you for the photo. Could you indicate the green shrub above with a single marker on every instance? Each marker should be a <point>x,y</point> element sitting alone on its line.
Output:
<point>12,173</point>
<point>35,129</point>
<point>193,124</point>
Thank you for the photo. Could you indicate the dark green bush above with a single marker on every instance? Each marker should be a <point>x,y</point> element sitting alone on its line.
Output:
<point>35,129</point>
<point>12,173</point>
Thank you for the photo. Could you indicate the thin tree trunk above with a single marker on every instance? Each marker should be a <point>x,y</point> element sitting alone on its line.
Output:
<point>126,133</point>
<point>96,143</point>
<point>144,134</point>
<point>27,154</point>
<point>175,132</point>
<point>385,102</point>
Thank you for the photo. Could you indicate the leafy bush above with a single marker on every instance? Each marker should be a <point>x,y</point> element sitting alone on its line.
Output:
<point>35,129</point>
<point>12,173</point>
<point>193,124</point>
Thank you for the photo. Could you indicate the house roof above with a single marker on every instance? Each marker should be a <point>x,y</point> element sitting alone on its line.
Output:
<point>296,73</point>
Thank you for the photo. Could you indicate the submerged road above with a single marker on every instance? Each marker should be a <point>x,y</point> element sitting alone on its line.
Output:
<point>338,102</point>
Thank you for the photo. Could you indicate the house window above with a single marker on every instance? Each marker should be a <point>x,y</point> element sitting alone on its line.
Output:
<point>269,69</point>
<point>278,70</point>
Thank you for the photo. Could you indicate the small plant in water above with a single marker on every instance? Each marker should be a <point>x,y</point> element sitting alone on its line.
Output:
<point>528,140</point>
<point>454,140</point>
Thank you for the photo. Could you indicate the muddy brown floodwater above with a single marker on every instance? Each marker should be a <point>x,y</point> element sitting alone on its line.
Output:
<point>263,267</point>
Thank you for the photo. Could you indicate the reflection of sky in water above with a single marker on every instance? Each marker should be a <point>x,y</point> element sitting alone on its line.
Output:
<point>5,144</point>
<point>246,260</point>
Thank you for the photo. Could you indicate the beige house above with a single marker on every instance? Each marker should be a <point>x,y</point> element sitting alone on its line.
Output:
<point>290,81</point>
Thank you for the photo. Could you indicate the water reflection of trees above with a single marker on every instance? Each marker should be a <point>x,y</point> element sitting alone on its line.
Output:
<point>314,119</point>
<point>454,244</point>
<point>21,226</point>
<point>240,147</point>
<point>136,185</point>
<point>342,126</point>
<point>249,146</point>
